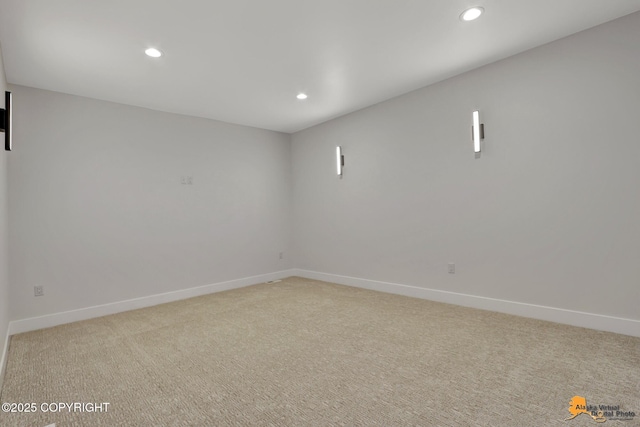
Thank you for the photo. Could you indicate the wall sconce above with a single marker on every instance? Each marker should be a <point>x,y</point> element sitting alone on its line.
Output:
<point>477,132</point>
<point>339,160</point>
<point>5,121</point>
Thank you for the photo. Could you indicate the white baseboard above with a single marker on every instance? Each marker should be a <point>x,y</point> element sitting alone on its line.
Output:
<point>552,314</point>
<point>3,357</point>
<point>49,320</point>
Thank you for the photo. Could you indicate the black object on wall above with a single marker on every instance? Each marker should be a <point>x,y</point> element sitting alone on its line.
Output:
<point>5,121</point>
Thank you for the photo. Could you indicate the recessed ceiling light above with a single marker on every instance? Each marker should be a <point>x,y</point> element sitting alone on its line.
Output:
<point>153,52</point>
<point>302,96</point>
<point>472,13</point>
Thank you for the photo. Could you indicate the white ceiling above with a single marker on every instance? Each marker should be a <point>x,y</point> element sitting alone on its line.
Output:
<point>244,61</point>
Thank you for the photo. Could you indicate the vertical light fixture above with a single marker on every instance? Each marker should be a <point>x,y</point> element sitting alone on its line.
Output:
<point>477,132</point>
<point>5,122</point>
<point>339,160</point>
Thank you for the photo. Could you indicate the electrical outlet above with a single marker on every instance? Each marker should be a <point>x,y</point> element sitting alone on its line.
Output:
<point>452,268</point>
<point>38,291</point>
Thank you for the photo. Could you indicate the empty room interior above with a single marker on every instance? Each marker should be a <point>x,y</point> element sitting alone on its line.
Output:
<point>311,213</point>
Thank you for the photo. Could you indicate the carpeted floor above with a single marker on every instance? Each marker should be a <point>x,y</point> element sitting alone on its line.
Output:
<point>307,353</point>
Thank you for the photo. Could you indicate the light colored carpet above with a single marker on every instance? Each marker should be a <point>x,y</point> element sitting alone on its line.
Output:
<point>308,353</point>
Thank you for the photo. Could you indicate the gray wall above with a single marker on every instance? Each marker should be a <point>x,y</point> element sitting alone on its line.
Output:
<point>549,215</point>
<point>99,213</point>
<point>4,215</point>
